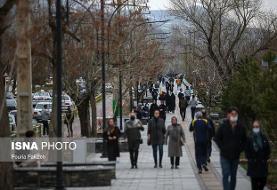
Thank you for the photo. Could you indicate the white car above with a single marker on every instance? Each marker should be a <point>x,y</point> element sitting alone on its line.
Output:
<point>41,96</point>
<point>67,102</point>
<point>39,107</point>
<point>12,122</point>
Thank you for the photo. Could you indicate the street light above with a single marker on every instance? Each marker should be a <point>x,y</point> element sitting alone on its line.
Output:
<point>59,51</point>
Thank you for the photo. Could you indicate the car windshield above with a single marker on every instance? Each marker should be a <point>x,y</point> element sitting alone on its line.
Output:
<point>41,94</point>
<point>66,98</point>
<point>41,106</point>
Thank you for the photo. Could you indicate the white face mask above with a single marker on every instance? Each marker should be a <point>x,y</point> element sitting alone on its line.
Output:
<point>256,130</point>
<point>234,119</point>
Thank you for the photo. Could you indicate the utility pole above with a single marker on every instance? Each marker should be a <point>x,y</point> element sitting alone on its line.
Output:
<point>103,74</point>
<point>24,67</point>
<point>59,54</point>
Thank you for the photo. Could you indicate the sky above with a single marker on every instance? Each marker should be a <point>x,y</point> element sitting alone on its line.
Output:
<point>164,4</point>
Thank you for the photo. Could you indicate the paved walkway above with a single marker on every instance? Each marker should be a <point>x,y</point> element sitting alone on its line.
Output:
<point>185,178</point>
<point>148,178</point>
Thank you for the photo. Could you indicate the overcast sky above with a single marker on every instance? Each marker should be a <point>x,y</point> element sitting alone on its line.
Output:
<point>164,4</point>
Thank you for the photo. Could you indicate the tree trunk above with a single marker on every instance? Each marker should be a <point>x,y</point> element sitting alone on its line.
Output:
<point>84,116</point>
<point>93,113</point>
<point>6,168</point>
<point>24,67</point>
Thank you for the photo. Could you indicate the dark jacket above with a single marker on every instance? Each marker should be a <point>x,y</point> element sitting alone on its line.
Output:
<point>113,146</point>
<point>257,160</point>
<point>132,132</point>
<point>156,130</point>
<point>200,130</point>
<point>162,109</point>
<point>153,108</point>
<point>231,142</point>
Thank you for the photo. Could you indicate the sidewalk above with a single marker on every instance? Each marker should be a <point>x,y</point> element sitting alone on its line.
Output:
<point>148,178</point>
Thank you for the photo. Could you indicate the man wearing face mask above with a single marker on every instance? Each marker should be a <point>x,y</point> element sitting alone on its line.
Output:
<point>132,132</point>
<point>231,139</point>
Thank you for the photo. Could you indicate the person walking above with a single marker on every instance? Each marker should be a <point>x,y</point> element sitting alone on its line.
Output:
<point>200,128</point>
<point>156,133</point>
<point>257,152</point>
<point>133,127</point>
<point>68,120</point>
<point>181,93</point>
<point>162,109</point>
<point>193,104</point>
<point>183,104</point>
<point>154,106</point>
<point>45,116</point>
<point>112,135</point>
<point>211,134</point>
<point>176,136</point>
<point>187,93</point>
<point>231,139</point>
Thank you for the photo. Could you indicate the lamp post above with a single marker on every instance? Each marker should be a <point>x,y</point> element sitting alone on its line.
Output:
<point>59,51</point>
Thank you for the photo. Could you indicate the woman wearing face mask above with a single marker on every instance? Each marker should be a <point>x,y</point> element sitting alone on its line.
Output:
<point>133,127</point>
<point>176,136</point>
<point>257,152</point>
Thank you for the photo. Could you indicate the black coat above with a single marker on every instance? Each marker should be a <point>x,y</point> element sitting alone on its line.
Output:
<point>113,146</point>
<point>156,130</point>
<point>163,109</point>
<point>257,161</point>
<point>231,142</point>
<point>153,108</point>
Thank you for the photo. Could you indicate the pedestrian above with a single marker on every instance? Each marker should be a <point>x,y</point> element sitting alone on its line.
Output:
<point>45,116</point>
<point>112,135</point>
<point>211,134</point>
<point>200,128</point>
<point>156,133</point>
<point>176,136</point>
<point>132,132</point>
<point>187,93</point>
<point>172,102</point>
<point>231,140</point>
<point>193,104</point>
<point>163,110</point>
<point>154,106</point>
<point>257,152</point>
<point>183,104</point>
<point>181,94</point>
<point>68,120</point>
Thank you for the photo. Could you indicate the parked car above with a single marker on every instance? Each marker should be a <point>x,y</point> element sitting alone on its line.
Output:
<point>41,96</point>
<point>12,123</point>
<point>67,102</point>
<point>10,102</point>
<point>39,107</point>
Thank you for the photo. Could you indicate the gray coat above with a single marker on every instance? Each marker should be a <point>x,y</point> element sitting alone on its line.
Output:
<point>176,136</point>
<point>156,130</point>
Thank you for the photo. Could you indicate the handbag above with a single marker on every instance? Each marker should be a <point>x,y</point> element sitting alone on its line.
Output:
<point>182,142</point>
<point>140,141</point>
<point>149,141</point>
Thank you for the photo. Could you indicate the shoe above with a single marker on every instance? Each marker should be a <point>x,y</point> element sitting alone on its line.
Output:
<point>205,168</point>
<point>176,167</point>
<point>132,167</point>
<point>172,167</point>
<point>136,166</point>
<point>155,166</point>
<point>200,171</point>
<point>161,166</point>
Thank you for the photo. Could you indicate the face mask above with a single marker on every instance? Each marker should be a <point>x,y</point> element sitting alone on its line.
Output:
<point>256,130</point>
<point>234,119</point>
<point>133,117</point>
